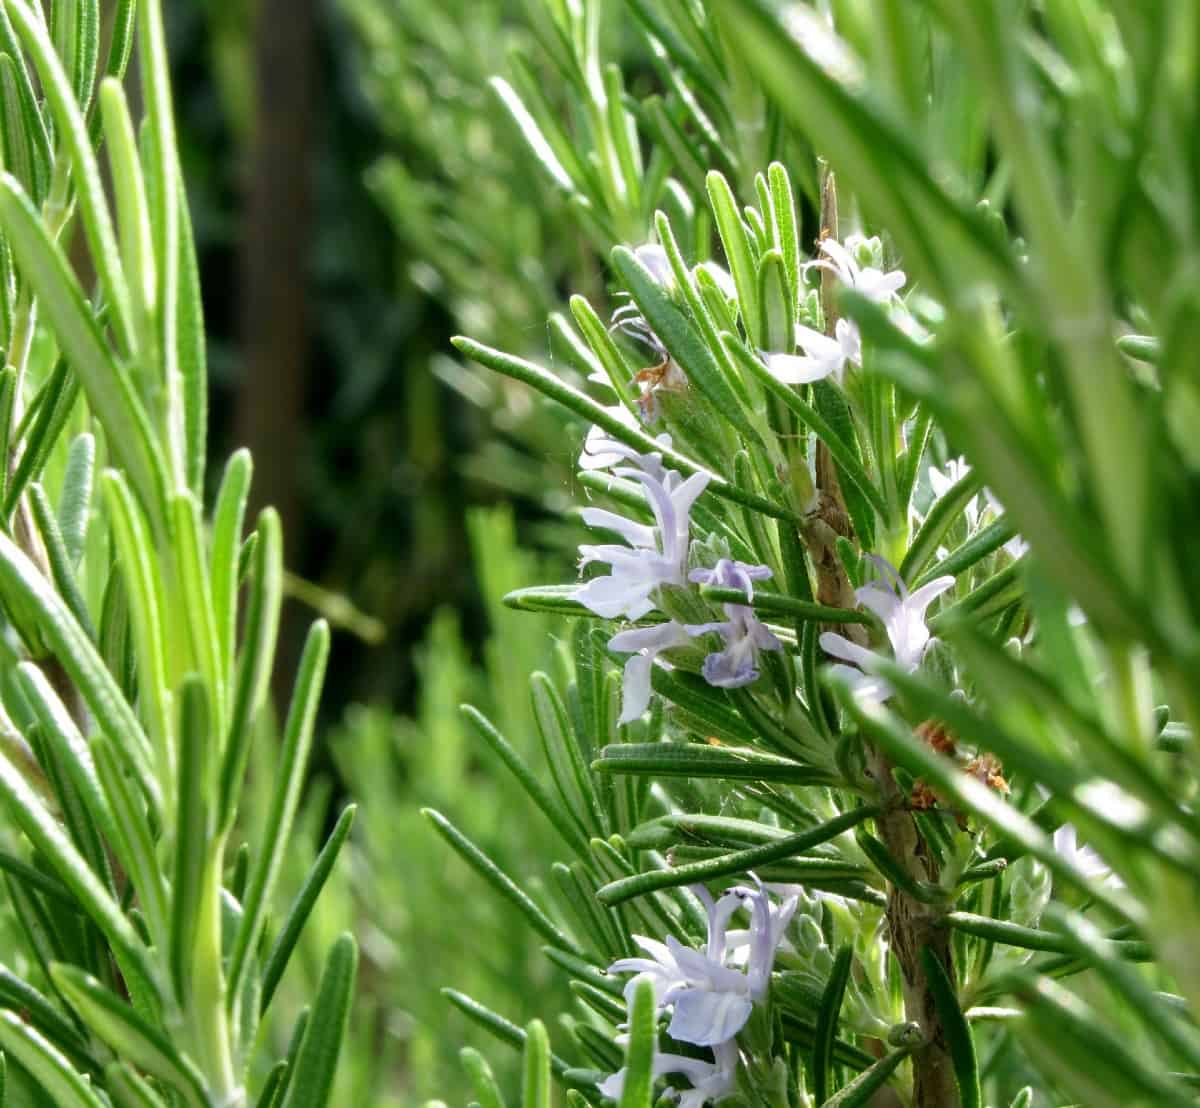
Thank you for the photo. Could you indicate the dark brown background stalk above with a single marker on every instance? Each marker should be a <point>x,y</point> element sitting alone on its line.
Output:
<point>912,924</point>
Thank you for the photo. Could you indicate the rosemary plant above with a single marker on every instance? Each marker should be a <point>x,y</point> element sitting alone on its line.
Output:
<point>128,698</point>
<point>871,755</point>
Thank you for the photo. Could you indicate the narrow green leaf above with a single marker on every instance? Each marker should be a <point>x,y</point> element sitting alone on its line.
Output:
<point>1107,958</point>
<point>738,252</point>
<point>24,144</point>
<point>616,892</point>
<point>75,500</point>
<point>958,1033</point>
<point>254,665</point>
<point>57,397</point>
<point>85,808</point>
<point>860,1092</point>
<point>109,390</point>
<point>564,757</point>
<point>140,854</point>
<point>311,1082</point>
<point>52,1072</point>
<point>18,995</point>
<point>944,513</point>
<point>62,569</point>
<point>1034,938</point>
<point>146,603</point>
<point>194,585</point>
<point>71,130</point>
<point>20,581</point>
<point>638,1091</point>
<point>672,759</point>
<point>48,837</point>
<point>128,1088</point>
<point>562,393</point>
<point>504,1030</point>
<point>499,880</point>
<point>535,1080</point>
<point>130,1035</point>
<point>827,1023</point>
<point>777,604</point>
<point>228,520</point>
<point>129,190</point>
<point>1068,1038</point>
<point>487,1092</point>
<point>276,832</point>
<point>537,792</point>
<point>297,915</point>
<point>192,836</point>
<point>161,166</point>
<point>679,337</point>
<point>193,353</point>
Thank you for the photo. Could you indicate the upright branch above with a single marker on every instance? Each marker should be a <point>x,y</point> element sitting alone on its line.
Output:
<point>912,924</point>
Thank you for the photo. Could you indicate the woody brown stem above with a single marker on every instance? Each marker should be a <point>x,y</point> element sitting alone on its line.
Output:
<point>912,924</point>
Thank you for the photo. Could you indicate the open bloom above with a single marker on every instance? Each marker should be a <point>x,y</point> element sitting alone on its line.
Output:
<point>645,644</point>
<point>744,634</point>
<point>655,555</point>
<point>903,616</point>
<point>712,1000</point>
<point>711,1081</point>
<point>869,281</point>
<point>823,356</point>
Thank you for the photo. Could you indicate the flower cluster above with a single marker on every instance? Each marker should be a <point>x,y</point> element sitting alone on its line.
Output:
<point>711,993</point>
<point>655,556</point>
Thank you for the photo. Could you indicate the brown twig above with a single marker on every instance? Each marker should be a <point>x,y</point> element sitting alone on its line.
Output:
<point>912,924</point>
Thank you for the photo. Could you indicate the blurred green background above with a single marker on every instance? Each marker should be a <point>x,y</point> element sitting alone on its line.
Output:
<point>338,257</point>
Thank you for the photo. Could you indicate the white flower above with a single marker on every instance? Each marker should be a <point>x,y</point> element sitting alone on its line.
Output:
<point>942,481</point>
<point>903,616</point>
<point>1084,857</point>
<point>868,281</point>
<point>655,556</point>
<point>602,451</point>
<point>645,643</point>
<point>1016,547</point>
<point>823,356</point>
<point>712,1001</point>
<point>711,1081</point>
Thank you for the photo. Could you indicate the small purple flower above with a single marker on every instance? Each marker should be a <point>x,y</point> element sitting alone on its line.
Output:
<point>744,634</point>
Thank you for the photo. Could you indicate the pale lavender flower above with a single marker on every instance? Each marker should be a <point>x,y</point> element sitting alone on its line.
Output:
<point>868,281</point>
<point>768,923</point>
<point>655,556</point>
<point>903,616</point>
<point>823,356</point>
<point>645,643</point>
<point>711,1081</point>
<point>712,1001</point>
<point>745,635</point>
